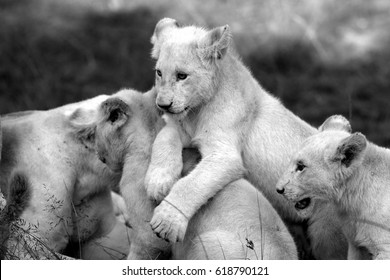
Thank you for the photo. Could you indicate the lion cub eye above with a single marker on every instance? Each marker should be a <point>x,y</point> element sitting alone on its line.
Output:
<point>300,166</point>
<point>181,76</point>
<point>158,72</point>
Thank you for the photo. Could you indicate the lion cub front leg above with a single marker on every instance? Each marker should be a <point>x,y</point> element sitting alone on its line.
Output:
<point>218,167</point>
<point>166,162</point>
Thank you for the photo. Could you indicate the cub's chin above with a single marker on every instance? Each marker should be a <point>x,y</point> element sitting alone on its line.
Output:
<point>178,114</point>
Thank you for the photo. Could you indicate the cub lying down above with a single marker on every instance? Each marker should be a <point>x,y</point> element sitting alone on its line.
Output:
<point>343,168</point>
<point>238,223</point>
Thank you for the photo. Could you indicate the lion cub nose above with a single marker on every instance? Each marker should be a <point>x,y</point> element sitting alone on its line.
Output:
<point>280,190</point>
<point>164,107</point>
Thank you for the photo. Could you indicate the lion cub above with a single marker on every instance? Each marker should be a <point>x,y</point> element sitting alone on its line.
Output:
<point>215,104</point>
<point>343,168</point>
<point>238,223</point>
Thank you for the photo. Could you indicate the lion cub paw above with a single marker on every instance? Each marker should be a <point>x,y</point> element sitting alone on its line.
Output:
<point>158,183</point>
<point>169,223</point>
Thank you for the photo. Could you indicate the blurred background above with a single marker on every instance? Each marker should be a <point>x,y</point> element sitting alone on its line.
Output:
<point>320,57</point>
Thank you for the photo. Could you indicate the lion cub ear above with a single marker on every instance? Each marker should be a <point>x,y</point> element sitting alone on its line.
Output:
<point>115,112</point>
<point>215,43</point>
<point>350,150</point>
<point>83,126</point>
<point>162,25</point>
<point>336,122</point>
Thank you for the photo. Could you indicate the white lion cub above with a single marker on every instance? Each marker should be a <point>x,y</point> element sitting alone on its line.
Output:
<point>350,172</point>
<point>215,104</point>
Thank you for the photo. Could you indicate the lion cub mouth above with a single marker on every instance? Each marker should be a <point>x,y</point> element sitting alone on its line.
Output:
<point>178,112</point>
<point>302,204</point>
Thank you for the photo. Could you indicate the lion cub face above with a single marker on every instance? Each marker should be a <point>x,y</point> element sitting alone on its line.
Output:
<point>186,66</point>
<point>322,165</point>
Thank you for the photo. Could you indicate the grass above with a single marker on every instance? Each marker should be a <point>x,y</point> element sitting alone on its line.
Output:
<point>20,239</point>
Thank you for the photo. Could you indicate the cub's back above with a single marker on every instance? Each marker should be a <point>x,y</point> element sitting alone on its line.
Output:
<point>238,217</point>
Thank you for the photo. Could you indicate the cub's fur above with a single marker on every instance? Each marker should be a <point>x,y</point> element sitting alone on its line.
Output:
<point>353,174</point>
<point>240,130</point>
<point>239,223</point>
<point>67,186</point>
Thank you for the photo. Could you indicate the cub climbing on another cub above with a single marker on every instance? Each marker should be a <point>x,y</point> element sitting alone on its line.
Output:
<point>211,99</point>
<point>239,223</point>
<point>346,170</point>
